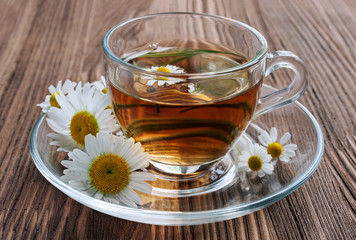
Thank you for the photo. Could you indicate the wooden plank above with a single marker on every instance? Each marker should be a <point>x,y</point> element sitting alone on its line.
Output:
<point>42,42</point>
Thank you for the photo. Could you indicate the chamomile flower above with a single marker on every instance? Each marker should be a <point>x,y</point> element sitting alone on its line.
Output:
<point>277,149</point>
<point>50,100</point>
<point>255,158</point>
<point>82,112</point>
<point>106,169</point>
<point>161,81</point>
<point>101,85</point>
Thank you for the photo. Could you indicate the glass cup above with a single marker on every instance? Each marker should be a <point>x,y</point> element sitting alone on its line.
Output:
<point>187,85</point>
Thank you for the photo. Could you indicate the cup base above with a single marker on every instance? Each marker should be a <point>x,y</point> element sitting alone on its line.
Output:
<point>177,181</point>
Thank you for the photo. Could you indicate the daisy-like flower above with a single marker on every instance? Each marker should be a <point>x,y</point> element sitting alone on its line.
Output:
<point>50,100</point>
<point>106,169</point>
<point>161,80</point>
<point>255,158</point>
<point>277,149</point>
<point>101,85</point>
<point>82,112</point>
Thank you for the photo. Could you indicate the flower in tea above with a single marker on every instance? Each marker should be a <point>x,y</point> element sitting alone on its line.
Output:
<point>277,149</point>
<point>50,100</point>
<point>101,85</point>
<point>256,159</point>
<point>161,81</point>
<point>106,169</point>
<point>83,111</point>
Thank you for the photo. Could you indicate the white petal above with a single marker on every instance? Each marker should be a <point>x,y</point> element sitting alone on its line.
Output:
<point>284,158</point>
<point>273,134</point>
<point>67,164</point>
<point>126,201</point>
<point>142,186</point>
<point>67,86</point>
<point>59,116</point>
<point>142,176</point>
<point>104,142</point>
<point>260,173</point>
<point>288,153</point>
<point>285,138</point>
<point>92,191</point>
<point>55,126</point>
<point>243,167</point>
<point>139,161</point>
<point>244,156</point>
<point>131,194</point>
<point>267,168</point>
<point>91,146</point>
<point>52,89</point>
<point>98,195</point>
<point>80,158</point>
<point>264,138</point>
<point>290,147</point>
<point>111,199</point>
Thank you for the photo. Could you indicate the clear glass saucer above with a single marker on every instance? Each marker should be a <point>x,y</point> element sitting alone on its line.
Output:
<point>244,194</point>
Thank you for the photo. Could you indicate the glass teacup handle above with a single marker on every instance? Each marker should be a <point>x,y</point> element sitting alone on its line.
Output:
<point>289,94</point>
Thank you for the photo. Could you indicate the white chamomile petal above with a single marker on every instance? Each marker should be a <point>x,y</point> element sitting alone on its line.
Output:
<point>100,172</point>
<point>101,85</point>
<point>131,194</point>
<point>273,134</point>
<point>261,173</point>
<point>242,143</point>
<point>142,187</point>
<point>126,201</point>
<point>142,176</point>
<point>91,146</point>
<point>243,167</point>
<point>284,159</point>
<point>288,154</point>
<point>291,147</point>
<point>268,168</point>
<point>80,158</point>
<point>98,195</point>
<point>284,139</point>
<point>52,89</point>
<point>264,138</point>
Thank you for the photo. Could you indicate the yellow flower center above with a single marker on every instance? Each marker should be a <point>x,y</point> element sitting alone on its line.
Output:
<point>105,90</point>
<point>109,173</point>
<point>82,124</point>
<point>162,69</point>
<point>255,163</point>
<point>274,149</point>
<point>52,100</point>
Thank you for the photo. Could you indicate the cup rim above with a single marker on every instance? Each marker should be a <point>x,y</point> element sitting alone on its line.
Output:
<point>259,56</point>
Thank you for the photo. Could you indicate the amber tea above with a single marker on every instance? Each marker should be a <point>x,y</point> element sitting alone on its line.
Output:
<point>181,121</point>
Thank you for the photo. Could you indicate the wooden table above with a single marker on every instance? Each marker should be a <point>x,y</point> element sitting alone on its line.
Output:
<point>42,42</point>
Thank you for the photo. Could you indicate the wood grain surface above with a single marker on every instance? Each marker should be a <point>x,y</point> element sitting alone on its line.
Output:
<point>43,41</point>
